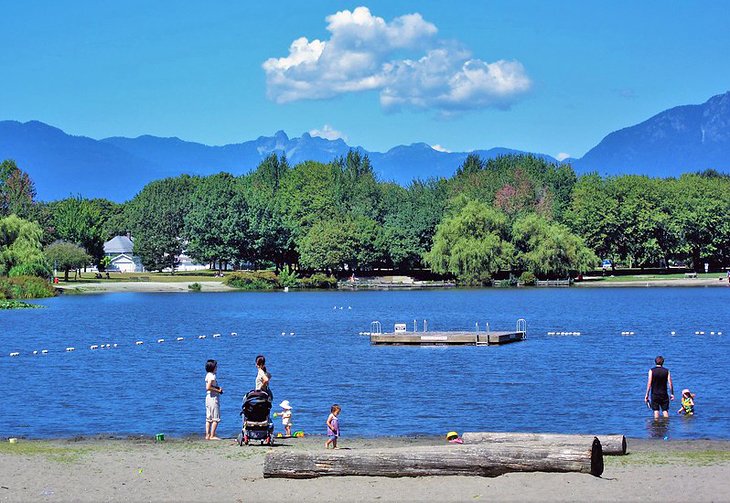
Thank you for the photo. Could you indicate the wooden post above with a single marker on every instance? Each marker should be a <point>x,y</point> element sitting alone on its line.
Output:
<point>486,460</point>
<point>613,445</point>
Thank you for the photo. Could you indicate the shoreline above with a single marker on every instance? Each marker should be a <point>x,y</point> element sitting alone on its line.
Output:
<point>94,469</point>
<point>217,286</point>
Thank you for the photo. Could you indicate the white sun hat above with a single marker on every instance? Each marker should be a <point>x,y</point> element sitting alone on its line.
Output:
<point>285,404</point>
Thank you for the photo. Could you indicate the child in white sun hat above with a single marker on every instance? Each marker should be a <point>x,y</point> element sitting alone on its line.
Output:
<point>286,417</point>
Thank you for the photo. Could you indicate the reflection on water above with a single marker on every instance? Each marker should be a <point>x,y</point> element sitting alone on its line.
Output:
<point>591,383</point>
<point>658,428</point>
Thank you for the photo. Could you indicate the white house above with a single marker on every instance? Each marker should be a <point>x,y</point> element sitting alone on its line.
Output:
<point>120,249</point>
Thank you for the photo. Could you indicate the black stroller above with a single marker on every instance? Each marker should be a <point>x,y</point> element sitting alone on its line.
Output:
<point>257,424</point>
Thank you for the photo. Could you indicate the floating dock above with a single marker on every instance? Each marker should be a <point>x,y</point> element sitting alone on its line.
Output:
<point>447,338</point>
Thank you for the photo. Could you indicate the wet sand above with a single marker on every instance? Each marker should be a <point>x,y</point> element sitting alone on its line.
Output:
<point>196,470</point>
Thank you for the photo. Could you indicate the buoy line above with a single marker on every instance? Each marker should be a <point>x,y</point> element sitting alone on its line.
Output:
<point>96,347</point>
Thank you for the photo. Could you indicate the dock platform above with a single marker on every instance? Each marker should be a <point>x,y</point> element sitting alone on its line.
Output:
<point>447,338</point>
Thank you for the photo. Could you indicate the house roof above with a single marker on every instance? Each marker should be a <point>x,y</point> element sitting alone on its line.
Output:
<point>122,258</point>
<point>119,244</point>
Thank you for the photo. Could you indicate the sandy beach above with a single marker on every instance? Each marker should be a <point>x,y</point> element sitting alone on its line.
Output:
<point>218,286</point>
<point>144,287</point>
<point>196,470</point>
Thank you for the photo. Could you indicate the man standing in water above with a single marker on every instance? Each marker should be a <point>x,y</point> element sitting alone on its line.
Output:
<point>659,378</point>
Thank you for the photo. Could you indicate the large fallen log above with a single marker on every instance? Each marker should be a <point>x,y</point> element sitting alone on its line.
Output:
<point>487,460</point>
<point>614,445</point>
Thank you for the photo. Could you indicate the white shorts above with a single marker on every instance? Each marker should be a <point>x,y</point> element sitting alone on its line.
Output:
<point>212,409</point>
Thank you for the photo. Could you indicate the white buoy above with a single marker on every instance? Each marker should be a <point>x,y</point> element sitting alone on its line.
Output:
<point>340,308</point>
<point>283,333</point>
<point>216,335</point>
<point>14,354</point>
<point>702,333</point>
<point>673,332</point>
<point>712,333</point>
<point>70,349</point>
<point>551,333</point>
<point>115,345</point>
<point>632,333</point>
<point>291,333</point>
<point>35,352</point>
<point>180,338</point>
<point>160,340</point>
<point>139,343</point>
<point>109,345</point>
<point>44,351</point>
<point>719,333</point>
<point>697,332</point>
<point>93,346</point>
<point>577,333</point>
<point>234,334</point>
<point>201,337</point>
<point>349,307</point>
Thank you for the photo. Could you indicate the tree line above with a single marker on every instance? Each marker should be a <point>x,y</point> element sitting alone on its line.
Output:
<point>513,214</point>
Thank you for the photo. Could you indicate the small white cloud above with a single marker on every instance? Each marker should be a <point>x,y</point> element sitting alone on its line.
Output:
<point>328,132</point>
<point>439,148</point>
<point>562,156</point>
<point>365,52</point>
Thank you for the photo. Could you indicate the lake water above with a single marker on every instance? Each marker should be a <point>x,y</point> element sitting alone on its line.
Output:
<point>592,383</point>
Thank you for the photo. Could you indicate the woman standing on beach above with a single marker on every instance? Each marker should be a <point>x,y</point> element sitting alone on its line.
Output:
<point>262,377</point>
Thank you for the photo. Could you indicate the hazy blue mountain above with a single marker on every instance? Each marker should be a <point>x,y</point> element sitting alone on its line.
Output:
<point>117,168</point>
<point>682,139</point>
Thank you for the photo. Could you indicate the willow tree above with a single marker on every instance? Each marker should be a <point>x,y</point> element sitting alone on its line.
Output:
<point>471,244</point>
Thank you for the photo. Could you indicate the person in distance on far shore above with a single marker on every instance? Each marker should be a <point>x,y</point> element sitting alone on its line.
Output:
<point>657,382</point>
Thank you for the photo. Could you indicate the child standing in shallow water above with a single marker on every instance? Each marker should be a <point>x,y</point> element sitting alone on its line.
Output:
<point>688,403</point>
<point>333,427</point>
<point>212,400</point>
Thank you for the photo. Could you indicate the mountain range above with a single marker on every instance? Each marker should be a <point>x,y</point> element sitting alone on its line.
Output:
<point>682,139</point>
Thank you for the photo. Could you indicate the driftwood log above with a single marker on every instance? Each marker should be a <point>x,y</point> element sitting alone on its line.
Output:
<point>613,445</point>
<point>486,460</point>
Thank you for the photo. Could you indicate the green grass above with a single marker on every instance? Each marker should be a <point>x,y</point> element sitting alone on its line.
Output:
<point>52,452</point>
<point>689,457</point>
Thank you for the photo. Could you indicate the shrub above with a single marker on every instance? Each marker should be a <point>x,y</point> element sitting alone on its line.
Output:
<point>194,287</point>
<point>288,278</point>
<point>319,280</point>
<point>527,278</point>
<point>252,280</point>
<point>17,304</point>
<point>25,287</point>
<point>38,269</point>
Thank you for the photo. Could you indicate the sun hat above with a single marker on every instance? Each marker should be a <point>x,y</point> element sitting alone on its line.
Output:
<point>285,404</point>
<point>452,435</point>
<point>686,391</point>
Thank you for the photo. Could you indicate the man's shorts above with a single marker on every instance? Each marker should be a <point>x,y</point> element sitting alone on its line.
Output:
<point>212,409</point>
<point>661,403</point>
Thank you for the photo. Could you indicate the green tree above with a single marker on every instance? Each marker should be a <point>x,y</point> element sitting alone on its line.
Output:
<point>81,221</point>
<point>700,207</point>
<point>156,217</point>
<point>217,225</point>
<point>66,257</point>
<point>549,249</point>
<point>471,244</point>
<point>273,240</point>
<point>327,246</point>
<point>20,246</point>
<point>17,191</point>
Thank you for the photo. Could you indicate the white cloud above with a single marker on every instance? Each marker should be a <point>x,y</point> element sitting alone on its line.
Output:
<point>365,52</point>
<point>439,148</point>
<point>328,132</point>
<point>562,156</point>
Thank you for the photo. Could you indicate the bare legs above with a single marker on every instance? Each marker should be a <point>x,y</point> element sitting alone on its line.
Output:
<point>210,428</point>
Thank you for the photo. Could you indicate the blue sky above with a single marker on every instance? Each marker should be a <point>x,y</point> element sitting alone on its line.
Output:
<point>549,77</point>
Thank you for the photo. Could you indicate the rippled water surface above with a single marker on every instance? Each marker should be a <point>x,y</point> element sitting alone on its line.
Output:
<point>589,383</point>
